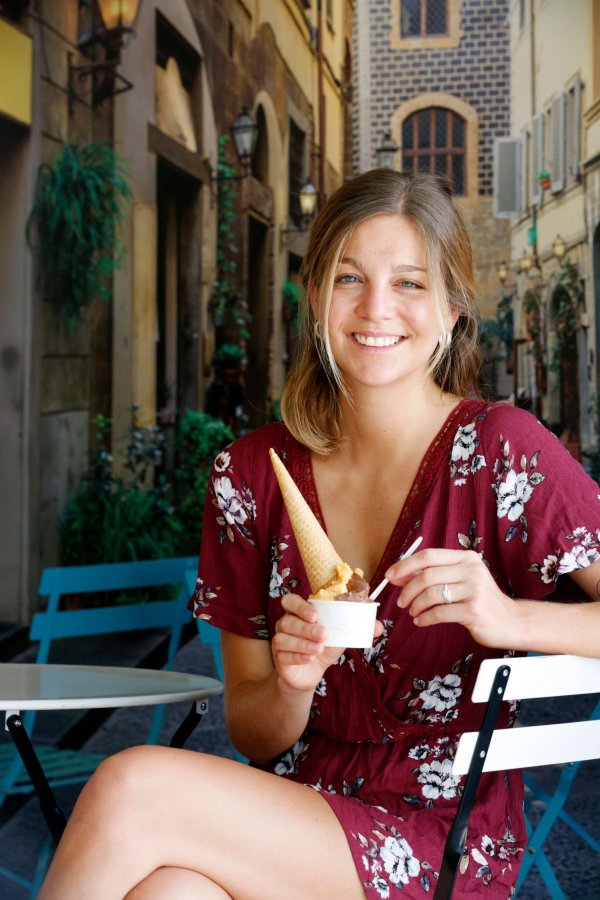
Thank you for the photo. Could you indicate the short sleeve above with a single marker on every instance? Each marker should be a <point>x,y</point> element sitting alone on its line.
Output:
<point>547,508</point>
<point>233,576</point>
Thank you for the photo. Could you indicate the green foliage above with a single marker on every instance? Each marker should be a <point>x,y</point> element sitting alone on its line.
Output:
<point>291,294</point>
<point>140,515</point>
<point>502,326</point>
<point>114,519</point>
<point>224,286</point>
<point>229,356</point>
<point>567,297</point>
<point>77,209</point>
<point>200,437</point>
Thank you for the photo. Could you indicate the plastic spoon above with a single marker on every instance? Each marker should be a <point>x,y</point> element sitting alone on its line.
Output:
<point>409,552</point>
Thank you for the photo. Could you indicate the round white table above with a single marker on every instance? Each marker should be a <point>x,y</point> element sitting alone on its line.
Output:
<point>29,686</point>
<point>26,686</point>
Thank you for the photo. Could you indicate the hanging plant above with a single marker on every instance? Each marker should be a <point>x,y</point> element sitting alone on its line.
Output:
<point>567,297</point>
<point>531,304</point>
<point>77,209</point>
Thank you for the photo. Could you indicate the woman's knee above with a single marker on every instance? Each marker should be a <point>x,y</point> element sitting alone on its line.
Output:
<point>118,779</point>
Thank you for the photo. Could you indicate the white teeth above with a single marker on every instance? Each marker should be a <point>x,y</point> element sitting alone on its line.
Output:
<point>368,341</point>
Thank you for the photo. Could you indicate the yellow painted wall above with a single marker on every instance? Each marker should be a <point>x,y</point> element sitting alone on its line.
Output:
<point>16,58</point>
<point>284,17</point>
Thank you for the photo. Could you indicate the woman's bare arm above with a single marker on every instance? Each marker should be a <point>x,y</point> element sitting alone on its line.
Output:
<point>269,686</point>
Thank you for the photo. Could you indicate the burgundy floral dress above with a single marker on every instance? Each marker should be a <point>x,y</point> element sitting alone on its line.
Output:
<point>385,721</point>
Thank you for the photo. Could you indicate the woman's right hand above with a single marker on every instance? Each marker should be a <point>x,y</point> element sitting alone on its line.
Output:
<point>299,655</point>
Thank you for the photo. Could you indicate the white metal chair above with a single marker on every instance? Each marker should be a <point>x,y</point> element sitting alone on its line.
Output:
<point>494,749</point>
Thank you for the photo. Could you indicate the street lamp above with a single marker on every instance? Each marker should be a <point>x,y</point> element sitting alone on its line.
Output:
<point>525,262</point>
<point>502,271</point>
<point>245,133</point>
<point>386,152</point>
<point>559,248</point>
<point>308,197</point>
<point>117,20</point>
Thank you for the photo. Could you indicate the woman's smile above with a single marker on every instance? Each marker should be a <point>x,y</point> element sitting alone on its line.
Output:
<point>379,341</point>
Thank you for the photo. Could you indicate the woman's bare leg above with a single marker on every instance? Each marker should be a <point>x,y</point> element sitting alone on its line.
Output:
<point>177,884</point>
<point>254,835</point>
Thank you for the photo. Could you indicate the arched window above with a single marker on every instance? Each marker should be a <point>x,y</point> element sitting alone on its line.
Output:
<point>434,140</point>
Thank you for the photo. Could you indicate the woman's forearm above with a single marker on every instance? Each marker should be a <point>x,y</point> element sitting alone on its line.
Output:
<point>549,627</point>
<point>266,717</point>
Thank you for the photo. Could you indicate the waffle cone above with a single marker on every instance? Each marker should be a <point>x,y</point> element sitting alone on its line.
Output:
<point>318,553</point>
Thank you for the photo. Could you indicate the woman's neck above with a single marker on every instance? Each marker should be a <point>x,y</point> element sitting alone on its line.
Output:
<point>378,422</point>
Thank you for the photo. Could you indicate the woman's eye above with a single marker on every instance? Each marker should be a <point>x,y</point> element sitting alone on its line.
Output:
<point>406,283</point>
<point>346,279</point>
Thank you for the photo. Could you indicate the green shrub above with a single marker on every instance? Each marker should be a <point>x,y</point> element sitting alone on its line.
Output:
<point>118,519</point>
<point>200,437</point>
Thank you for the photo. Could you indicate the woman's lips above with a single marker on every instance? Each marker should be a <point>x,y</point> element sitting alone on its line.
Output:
<point>379,340</point>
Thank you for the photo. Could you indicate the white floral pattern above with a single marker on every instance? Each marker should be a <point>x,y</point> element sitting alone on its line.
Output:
<point>464,460</point>
<point>441,693</point>
<point>437,780</point>
<point>584,552</point>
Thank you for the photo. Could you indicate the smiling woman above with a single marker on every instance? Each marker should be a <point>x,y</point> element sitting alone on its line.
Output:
<point>351,792</point>
<point>412,232</point>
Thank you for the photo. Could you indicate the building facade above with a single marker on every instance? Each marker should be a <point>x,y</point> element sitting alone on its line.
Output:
<point>184,75</point>
<point>434,76</point>
<point>547,186</point>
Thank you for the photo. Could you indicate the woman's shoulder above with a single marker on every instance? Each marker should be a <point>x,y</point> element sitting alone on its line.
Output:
<point>250,452</point>
<point>498,417</point>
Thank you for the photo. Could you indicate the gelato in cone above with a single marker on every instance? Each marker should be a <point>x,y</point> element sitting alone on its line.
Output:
<point>319,556</point>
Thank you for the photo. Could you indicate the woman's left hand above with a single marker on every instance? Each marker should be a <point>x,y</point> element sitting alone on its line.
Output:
<point>456,586</point>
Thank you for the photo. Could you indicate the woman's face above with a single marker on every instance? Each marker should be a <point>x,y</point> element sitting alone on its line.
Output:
<point>383,325</point>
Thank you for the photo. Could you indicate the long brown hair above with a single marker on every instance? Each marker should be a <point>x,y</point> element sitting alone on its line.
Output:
<point>310,401</point>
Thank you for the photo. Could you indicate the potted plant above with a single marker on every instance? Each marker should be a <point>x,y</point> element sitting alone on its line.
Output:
<point>544,180</point>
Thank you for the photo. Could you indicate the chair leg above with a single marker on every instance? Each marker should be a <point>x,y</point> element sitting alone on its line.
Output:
<point>547,875</point>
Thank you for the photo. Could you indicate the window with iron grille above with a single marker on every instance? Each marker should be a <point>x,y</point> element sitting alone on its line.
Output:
<point>423,17</point>
<point>434,140</point>
<point>297,169</point>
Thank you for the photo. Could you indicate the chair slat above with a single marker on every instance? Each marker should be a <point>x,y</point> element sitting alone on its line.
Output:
<point>540,676</point>
<point>536,745</point>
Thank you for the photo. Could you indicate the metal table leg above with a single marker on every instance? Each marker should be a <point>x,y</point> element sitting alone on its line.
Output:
<point>199,708</point>
<point>51,810</point>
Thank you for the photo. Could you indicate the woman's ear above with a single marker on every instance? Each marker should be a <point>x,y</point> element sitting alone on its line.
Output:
<point>454,314</point>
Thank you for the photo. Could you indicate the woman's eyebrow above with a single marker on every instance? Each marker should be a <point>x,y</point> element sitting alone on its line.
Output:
<point>400,267</point>
<point>408,267</point>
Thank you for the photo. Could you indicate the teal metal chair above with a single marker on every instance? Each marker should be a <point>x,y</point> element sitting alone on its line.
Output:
<point>64,767</point>
<point>553,809</point>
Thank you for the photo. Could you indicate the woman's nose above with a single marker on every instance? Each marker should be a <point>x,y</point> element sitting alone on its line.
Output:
<point>375,302</point>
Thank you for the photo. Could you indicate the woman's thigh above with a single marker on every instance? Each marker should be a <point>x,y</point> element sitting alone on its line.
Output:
<point>256,835</point>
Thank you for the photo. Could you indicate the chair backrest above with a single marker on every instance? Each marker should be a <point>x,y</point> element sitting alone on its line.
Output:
<point>54,622</point>
<point>58,582</point>
<point>534,677</point>
<point>493,749</point>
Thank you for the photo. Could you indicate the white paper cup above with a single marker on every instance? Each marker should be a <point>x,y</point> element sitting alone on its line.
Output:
<point>349,623</point>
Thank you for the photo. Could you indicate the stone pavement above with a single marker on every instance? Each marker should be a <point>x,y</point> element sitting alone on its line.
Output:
<point>23,833</point>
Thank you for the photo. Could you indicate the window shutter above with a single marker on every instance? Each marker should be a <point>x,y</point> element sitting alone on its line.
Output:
<point>576,132</point>
<point>537,156</point>
<point>559,135</point>
<point>508,178</point>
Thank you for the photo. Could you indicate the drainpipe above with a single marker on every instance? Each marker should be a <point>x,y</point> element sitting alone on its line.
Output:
<point>321,103</point>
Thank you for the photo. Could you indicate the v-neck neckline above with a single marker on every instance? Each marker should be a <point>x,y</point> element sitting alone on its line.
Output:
<point>408,519</point>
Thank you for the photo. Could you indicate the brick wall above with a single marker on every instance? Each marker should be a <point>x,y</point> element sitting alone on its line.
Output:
<point>476,70</point>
